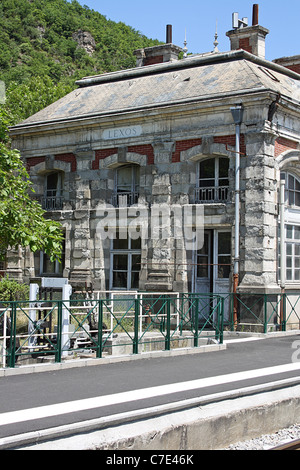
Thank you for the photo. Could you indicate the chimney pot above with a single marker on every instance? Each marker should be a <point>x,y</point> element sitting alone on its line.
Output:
<point>255,14</point>
<point>169,34</point>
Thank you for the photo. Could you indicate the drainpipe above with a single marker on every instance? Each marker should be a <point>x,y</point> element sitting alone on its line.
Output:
<point>237,114</point>
<point>282,248</point>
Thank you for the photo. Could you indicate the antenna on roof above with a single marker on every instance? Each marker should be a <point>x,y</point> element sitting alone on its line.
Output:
<point>185,49</point>
<point>216,43</point>
<point>236,23</point>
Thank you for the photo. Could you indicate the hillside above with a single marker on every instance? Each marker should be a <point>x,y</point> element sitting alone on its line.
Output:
<point>46,45</point>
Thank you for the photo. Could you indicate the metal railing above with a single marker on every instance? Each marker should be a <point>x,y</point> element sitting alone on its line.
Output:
<point>262,313</point>
<point>211,194</point>
<point>52,203</point>
<point>124,323</point>
<point>56,330</point>
<point>125,199</point>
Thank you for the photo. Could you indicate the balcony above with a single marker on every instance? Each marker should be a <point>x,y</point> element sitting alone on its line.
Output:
<point>211,194</point>
<point>52,202</point>
<point>125,199</point>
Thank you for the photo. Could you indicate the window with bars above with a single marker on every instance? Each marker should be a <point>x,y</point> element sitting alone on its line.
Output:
<point>212,181</point>
<point>126,192</point>
<point>53,199</point>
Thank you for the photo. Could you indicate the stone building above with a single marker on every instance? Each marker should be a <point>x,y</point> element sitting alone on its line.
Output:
<point>161,139</point>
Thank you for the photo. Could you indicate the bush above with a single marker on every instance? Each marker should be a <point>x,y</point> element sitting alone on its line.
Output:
<point>12,290</point>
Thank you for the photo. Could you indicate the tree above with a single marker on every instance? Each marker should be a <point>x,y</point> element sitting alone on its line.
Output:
<point>22,221</point>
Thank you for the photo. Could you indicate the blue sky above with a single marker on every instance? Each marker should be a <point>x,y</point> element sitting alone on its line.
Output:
<point>199,19</point>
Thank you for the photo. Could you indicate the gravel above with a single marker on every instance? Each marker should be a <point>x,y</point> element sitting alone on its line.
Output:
<point>268,441</point>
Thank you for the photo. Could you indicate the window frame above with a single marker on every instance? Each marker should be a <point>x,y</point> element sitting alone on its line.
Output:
<point>216,193</point>
<point>288,191</point>
<point>131,196</point>
<point>53,201</point>
<point>130,252</point>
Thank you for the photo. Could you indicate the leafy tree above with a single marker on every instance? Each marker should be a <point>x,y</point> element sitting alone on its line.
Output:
<point>22,221</point>
<point>11,290</point>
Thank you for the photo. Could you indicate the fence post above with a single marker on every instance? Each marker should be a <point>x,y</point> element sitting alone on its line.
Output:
<point>265,314</point>
<point>196,322</point>
<point>220,320</point>
<point>13,331</point>
<point>59,329</point>
<point>136,325</point>
<point>100,328</point>
<point>284,312</point>
<point>168,335</point>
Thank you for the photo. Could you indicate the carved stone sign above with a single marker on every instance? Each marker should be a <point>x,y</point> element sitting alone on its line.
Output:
<point>122,132</point>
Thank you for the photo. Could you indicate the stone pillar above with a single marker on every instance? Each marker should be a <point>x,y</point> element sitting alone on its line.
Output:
<point>81,267</point>
<point>160,274</point>
<point>259,215</point>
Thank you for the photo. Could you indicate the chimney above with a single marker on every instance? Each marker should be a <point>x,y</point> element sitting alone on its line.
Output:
<point>158,54</point>
<point>250,38</point>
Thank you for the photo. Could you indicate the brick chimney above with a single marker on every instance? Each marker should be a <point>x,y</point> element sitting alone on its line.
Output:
<point>158,54</point>
<point>250,38</point>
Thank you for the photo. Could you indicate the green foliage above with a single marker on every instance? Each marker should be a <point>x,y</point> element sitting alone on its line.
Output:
<point>22,219</point>
<point>37,44</point>
<point>39,63</point>
<point>11,290</point>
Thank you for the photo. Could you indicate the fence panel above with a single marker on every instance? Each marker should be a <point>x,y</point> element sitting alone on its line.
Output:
<point>57,330</point>
<point>265,312</point>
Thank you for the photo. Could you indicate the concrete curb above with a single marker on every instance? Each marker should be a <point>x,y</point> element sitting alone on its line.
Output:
<point>209,423</point>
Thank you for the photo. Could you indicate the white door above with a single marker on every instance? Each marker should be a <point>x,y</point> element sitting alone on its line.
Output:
<point>222,267</point>
<point>212,269</point>
<point>203,275</point>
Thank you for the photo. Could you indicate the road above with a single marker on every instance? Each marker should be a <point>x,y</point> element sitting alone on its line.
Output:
<point>34,402</point>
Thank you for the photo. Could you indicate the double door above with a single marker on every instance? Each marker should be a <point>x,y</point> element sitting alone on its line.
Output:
<point>212,268</point>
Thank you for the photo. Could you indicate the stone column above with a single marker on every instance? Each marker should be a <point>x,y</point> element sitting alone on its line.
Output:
<point>81,267</point>
<point>259,215</point>
<point>160,246</point>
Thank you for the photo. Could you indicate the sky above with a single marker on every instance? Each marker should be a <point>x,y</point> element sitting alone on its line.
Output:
<point>199,19</point>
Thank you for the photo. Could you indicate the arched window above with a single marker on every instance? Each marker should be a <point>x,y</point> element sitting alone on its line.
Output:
<point>53,199</point>
<point>212,181</point>
<point>292,189</point>
<point>126,192</point>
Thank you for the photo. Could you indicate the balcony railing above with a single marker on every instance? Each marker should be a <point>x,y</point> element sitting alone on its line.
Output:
<point>125,199</point>
<point>52,203</point>
<point>211,194</point>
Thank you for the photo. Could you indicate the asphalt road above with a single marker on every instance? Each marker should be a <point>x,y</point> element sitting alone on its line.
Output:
<point>33,402</point>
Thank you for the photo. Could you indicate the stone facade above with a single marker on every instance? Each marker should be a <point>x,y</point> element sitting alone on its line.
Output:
<point>162,136</point>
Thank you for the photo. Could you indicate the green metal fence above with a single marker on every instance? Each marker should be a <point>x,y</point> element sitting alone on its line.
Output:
<point>58,330</point>
<point>134,323</point>
<point>262,313</point>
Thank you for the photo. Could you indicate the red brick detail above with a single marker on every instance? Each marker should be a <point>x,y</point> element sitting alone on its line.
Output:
<point>293,67</point>
<point>182,145</point>
<point>146,149</point>
<point>282,145</point>
<point>154,60</point>
<point>230,141</point>
<point>244,43</point>
<point>101,154</point>
<point>32,161</point>
<point>69,158</point>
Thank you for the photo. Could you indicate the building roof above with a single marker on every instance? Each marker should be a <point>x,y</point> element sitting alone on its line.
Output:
<point>203,77</point>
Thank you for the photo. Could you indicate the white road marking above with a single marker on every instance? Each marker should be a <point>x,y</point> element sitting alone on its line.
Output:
<point>134,395</point>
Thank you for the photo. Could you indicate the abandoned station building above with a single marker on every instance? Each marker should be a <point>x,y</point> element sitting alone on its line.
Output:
<point>211,134</point>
